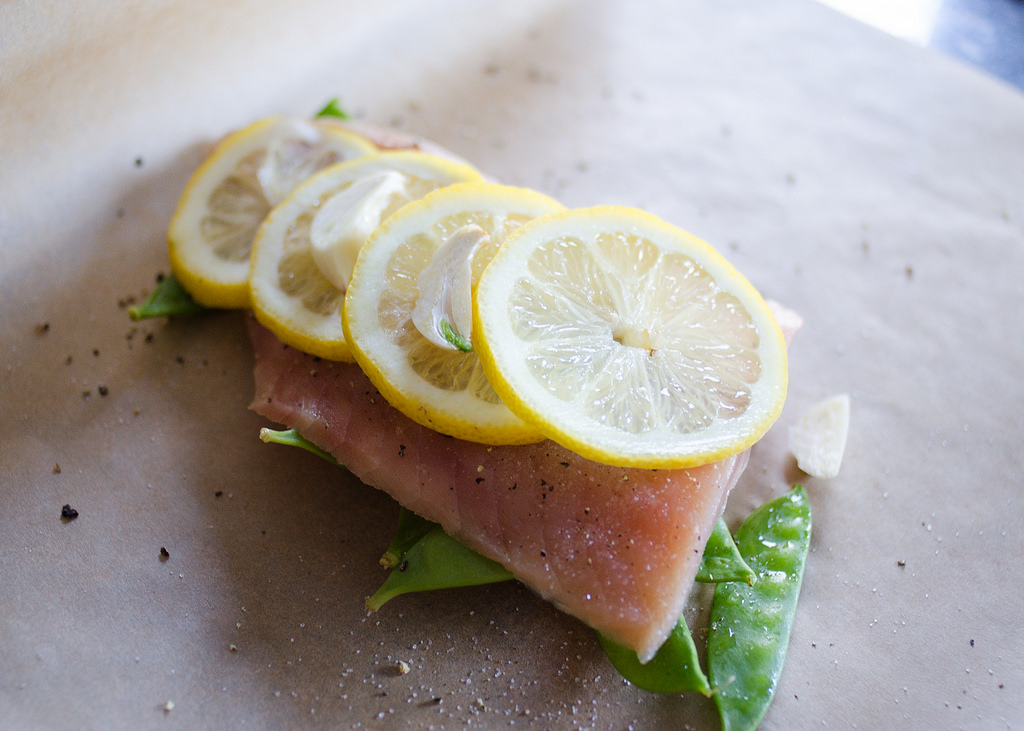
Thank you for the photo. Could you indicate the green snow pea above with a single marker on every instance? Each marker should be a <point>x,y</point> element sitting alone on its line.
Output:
<point>411,528</point>
<point>750,625</point>
<point>292,438</point>
<point>674,669</point>
<point>676,666</point>
<point>169,298</point>
<point>437,561</point>
<point>333,109</point>
<point>722,560</point>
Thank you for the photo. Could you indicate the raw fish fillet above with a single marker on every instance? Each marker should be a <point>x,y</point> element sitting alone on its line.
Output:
<point>616,547</point>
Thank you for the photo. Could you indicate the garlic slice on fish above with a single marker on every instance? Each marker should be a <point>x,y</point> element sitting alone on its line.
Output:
<point>444,309</point>
<point>290,159</point>
<point>345,220</point>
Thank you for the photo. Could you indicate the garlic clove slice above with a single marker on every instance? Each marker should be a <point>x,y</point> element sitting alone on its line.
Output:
<point>818,439</point>
<point>289,159</point>
<point>444,308</point>
<point>345,220</point>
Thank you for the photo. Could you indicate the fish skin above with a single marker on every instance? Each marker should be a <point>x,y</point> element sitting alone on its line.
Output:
<point>616,547</point>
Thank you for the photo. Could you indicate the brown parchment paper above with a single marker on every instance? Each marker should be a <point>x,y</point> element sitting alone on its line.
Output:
<point>872,186</point>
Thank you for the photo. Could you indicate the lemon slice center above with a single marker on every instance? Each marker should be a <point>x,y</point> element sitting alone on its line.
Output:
<point>443,313</point>
<point>688,362</point>
<point>635,336</point>
<point>345,220</point>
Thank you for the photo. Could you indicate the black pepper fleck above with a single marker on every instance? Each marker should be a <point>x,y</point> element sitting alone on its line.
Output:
<point>68,513</point>
<point>219,493</point>
<point>403,566</point>
<point>164,555</point>
<point>56,469</point>
<point>103,390</point>
<point>42,328</point>
<point>138,162</point>
<point>96,352</point>
<point>479,480</point>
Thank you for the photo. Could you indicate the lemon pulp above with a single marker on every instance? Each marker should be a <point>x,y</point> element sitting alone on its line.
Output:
<point>212,232</point>
<point>629,340</point>
<point>290,293</point>
<point>433,383</point>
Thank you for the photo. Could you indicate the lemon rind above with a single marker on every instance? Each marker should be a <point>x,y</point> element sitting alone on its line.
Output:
<point>556,420</point>
<point>209,280</point>
<point>326,339</point>
<point>457,414</point>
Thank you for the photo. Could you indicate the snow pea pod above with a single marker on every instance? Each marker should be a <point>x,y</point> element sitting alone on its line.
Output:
<point>437,561</point>
<point>722,560</point>
<point>169,298</point>
<point>292,438</point>
<point>674,669</point>
<point>333,109</point>
<point>411,528</point>
<point>751,625</point>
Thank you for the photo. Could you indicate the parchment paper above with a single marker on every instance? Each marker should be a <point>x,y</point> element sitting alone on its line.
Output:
<point>874,187</point>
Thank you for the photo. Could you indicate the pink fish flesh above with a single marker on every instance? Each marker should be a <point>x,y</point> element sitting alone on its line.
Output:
<point>616,547</point>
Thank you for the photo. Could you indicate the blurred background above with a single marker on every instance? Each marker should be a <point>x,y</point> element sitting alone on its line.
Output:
<point>988,34</point>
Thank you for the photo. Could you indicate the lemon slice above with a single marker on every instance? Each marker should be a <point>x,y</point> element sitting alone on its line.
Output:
<point>305,249</point>
<point>415,274</point>
<point>229,195</point>
<point>628,340</point>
